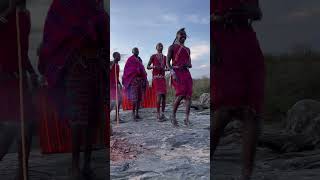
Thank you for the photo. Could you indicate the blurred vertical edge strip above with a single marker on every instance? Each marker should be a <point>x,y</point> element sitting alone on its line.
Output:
<point>211,95</point>
<point>106,4</point>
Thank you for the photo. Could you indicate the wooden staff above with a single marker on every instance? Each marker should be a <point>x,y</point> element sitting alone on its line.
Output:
<point>24,162</point>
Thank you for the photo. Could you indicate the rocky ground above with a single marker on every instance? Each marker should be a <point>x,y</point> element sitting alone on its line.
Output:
<point>156,150</point>
<point>50,167</point>
<point>287,150</point>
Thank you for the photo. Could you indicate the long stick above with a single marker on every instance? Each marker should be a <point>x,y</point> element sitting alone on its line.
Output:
<point>116,80</point>
<point>24,162</point>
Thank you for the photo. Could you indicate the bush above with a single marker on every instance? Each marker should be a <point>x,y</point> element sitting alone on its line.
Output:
<point>290,78</point>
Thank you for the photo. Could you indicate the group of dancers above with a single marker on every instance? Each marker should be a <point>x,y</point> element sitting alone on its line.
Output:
<point>134,79</point>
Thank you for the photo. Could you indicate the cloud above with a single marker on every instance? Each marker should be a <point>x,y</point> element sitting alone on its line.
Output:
<point>203,66</point>
<point>199,50</point>
<point>170,18</point>
<point>304,13</point>
<point>196,19</point>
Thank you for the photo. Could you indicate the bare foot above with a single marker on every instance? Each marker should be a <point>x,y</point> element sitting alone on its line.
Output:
<point>174,121</point>
<point>89,174</point>
<point>163,117</point>
<point>138,117</point>
<point>134,118</point>
<point>120,120</point>
<point>187,122</point>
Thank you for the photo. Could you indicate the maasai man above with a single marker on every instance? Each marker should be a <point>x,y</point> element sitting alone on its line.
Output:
<point>9,81</point>
<point>134,80</point>
<point>74,60</point>
<point>159,66</point>
<point>115,85</point>
<point>238,73</point>
<point>181,77</point>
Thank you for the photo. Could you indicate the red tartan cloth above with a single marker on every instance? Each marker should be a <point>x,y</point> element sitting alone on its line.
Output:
<point>181,58</point>
<point>158,75</point>
<point>55,134</point>
<point>239,79</point>
<point>71,25</point>
<point>149,100</point>
<point>132,69</point>
<point>115,69</point>
<point>9,70</point>
<point>8,41</point>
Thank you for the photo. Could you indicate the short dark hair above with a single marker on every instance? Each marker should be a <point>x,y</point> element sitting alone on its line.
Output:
<point>114,54</point>
<point>181,30</point>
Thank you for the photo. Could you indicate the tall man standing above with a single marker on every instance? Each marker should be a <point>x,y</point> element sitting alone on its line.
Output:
<point>238,73</point>
<point>115,85</point>
<point>73,58</point>
<point>181,77</point>
<point>159,66</point>
<point>10,111</point>
<point>134,80</point>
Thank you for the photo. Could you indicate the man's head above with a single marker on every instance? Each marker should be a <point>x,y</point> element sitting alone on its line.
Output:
<point>135,51</point>
<point>159,47</point>
<point>116,57</point>
<point>5,4</point>
<point>181,35</point>
<point>21,3</point>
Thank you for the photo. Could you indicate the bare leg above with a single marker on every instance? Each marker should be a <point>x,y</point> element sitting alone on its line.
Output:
<point>163,98</point>
<point>175,108</point>
<point>118,114</point>
<point>250,137</point>
<point>7,136</point>
<point>88,148</point>
<point>134,111</point>
<point>163,103</point>
<point>158,106</point>
<point>28,141</point>
<point>137,109</point>
<point>87,170</point>
<point>188,105</point>
<point>76,134</point>
<point>220,121</point>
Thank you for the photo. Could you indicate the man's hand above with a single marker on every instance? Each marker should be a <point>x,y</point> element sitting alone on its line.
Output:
<point>3,20</point>
<point>43,81</point>
<point>174,75</point>
<point>34,80</point>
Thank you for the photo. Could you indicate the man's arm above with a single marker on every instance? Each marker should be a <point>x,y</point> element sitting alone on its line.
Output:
<point>169,57</point>
<point>111,64</point>
<point>149,63</point>
<point>190,64</point>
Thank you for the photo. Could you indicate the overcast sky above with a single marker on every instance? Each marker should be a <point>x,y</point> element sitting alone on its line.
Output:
<point>144,23</point>
<point>285,23</point>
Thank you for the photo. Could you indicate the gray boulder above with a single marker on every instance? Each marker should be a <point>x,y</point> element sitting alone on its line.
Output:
<point>304,118</point>
<point>204,99</point>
